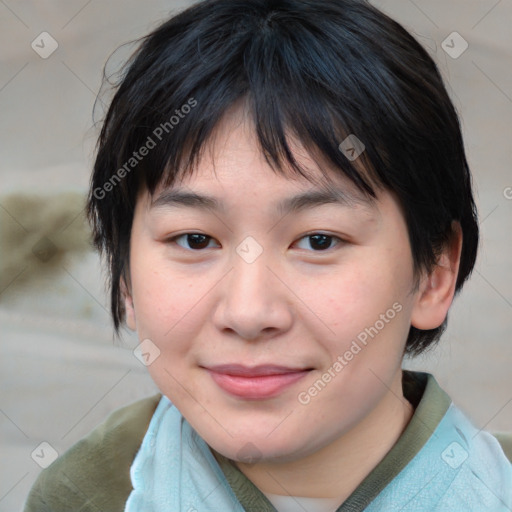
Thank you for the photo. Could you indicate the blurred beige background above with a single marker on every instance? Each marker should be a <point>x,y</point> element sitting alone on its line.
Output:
<point>61,372</point>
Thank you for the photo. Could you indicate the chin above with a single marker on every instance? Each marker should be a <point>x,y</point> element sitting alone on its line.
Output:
<point>251,449</point>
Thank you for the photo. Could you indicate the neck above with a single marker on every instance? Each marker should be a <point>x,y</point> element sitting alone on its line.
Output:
<point>337,469</point>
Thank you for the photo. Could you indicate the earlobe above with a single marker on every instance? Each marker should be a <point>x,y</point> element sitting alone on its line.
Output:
<point>436,290</point>
<point>128,306</point>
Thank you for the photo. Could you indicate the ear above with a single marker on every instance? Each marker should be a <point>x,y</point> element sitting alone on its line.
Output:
<point>436,290</point>
<point>128,305</point>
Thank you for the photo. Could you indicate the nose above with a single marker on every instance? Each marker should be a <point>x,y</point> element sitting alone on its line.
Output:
<point>255,303</point>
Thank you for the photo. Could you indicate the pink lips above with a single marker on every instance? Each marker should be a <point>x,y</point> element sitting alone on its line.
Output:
<point>256,383</point>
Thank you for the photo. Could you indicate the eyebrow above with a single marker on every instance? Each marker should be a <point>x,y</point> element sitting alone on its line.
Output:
<point>304,201</point>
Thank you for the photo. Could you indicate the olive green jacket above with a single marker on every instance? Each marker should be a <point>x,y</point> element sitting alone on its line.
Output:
<point>94,474</point>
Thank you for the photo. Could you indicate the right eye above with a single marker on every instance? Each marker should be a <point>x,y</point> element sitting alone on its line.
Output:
<point>196,241</point>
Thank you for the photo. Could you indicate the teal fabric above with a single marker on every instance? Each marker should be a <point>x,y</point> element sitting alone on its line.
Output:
<point>175,470</point>
<point>458,468</point>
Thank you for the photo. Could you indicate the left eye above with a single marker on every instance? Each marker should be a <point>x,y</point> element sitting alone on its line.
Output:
<point>320,241</point>
<point>198,241</point>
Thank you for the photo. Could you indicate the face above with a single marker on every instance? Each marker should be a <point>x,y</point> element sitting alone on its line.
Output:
<point>279,329</point>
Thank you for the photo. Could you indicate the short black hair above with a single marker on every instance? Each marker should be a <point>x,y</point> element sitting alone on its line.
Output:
<point>319,70</point>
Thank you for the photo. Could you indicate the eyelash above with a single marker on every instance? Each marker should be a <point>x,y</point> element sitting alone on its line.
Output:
<point>309,235</point>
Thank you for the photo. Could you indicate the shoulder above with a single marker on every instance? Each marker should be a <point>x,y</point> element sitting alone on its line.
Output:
<point>94,474</point>
<point>434,404</point>
<point>482,473</point>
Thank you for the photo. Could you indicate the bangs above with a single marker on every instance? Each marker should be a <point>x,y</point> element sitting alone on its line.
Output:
<point>279,70</point>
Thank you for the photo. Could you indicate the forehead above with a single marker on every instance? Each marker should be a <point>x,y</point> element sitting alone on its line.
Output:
<point>232,167</point>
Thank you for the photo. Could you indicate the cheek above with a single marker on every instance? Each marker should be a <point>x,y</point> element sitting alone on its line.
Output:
<point>153,305</point>
<point>167,309</point>
<point>354,295</point>
<point>367,307</point>
<point>161,296</point>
